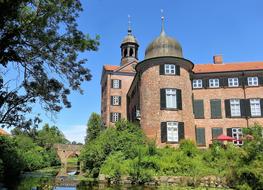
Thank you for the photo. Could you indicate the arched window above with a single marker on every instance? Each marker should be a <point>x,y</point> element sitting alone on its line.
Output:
<point>131,52</point>
<point>125,52</point>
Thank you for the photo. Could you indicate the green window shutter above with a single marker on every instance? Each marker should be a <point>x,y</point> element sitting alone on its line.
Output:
<point>261,105</point>
<point>199,109</point>
<point>181,130</point>
<point>200,136</point>
<point>119,83</point>
<point>245,81</point>
<point>223,82</point>
<point>162,98</point>
<point>111,83</point>
<point>177,69</point>
<point>260,80</point>
<point>120,100</point>
<point>119,116</point>
<point>229,132</point>
<point>247,107</point>
<point>163,132</point>
<point>227,108</point>
<point>179,99</point>
<point>111,117</point>
<point>111,100</point>
<point>243,108</point>
<point>161,67</point>
<point>215,106</point>
<point>241,81</point>
<point>205,83</point>
<point>216,132</point>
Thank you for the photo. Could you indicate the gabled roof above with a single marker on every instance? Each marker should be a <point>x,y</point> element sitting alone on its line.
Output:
<point>227,67</point>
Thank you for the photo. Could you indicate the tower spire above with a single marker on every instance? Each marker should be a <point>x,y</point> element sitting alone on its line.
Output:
<point>129,25</point>
<point>162,17</point>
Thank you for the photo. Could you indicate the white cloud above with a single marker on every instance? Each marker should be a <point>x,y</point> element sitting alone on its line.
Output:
<point>75,133</point>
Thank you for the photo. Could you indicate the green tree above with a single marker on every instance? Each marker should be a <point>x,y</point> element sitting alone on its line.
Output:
<point>40,43</point>
<point>48,136</point>
<point>94,127</point>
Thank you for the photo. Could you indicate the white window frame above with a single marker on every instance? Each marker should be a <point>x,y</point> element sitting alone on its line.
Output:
<point>235,108</point>
<point>237,134</point>
<point>252,81</point>
<point>255,107</point>
<point>197,83</point>
<point>169,69</point>
<point>172,131</point>
<point>115,117</point>
<point>171,99</point>
<point>115,100</point>
<point>213,83</point>
<point>116,83</point>
<point>233,82</point>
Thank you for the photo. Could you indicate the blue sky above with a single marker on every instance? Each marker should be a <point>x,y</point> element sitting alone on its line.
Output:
<point>203,27</point>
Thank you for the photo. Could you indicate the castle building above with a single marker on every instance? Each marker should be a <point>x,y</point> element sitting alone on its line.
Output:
<point>174,99</point>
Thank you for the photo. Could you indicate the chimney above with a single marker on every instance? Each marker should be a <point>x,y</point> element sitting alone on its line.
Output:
<point>218,59</point>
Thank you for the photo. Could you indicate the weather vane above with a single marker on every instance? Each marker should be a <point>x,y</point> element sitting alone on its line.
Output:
<point>129,23</point>
<point>162,17</point>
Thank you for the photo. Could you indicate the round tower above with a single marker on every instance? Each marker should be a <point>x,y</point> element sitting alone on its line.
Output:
<point>166,92</point>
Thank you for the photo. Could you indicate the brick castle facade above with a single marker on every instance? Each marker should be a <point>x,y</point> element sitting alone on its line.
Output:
<point>173,98</point>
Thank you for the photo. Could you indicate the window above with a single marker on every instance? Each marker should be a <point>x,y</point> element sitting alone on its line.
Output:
<point>197,83</point>
<point>213,83</point>
<point>252,81</point>
<point>216,131</point>
<point>115,100</point>
<point>169,69</point>
<point>172,131</point>
<point>255,107</point>
<point>235,107</point>
<point>200,136</point>
<point>215,106</point>
<point>199,109</point>
<point>116,83</point>
<point>171,98</point>
<point>115,117</point>
<point>237,134</point>
<point>233,82</point>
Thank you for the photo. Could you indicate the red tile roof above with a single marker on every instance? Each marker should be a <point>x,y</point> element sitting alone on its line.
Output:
<point>110,67</point>
<point>213,68</point>
<point>3,132</point>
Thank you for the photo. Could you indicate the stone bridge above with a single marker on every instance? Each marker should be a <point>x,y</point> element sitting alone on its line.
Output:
<point>65,151</point>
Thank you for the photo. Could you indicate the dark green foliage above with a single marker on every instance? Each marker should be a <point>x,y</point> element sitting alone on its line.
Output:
<point>124,151</point>
<point>122,138</point>
<point>94,127</point>
<point>40,45</point>
<point>28,151</point>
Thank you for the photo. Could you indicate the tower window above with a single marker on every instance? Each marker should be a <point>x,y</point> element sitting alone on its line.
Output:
<point>125,53</point>
<point>172,131</point>
<point>131,52</point>
<point>169,69</point>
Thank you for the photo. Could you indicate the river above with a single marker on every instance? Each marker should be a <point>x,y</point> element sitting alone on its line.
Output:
<point>51,183</point>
